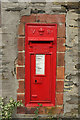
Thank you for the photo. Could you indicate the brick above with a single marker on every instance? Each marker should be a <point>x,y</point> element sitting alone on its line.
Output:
<point>41,110</point>
<point>24,110</point>
<point>60,59</point>
<point>60,44</point>
<point>41,17</point>
<point>21,60</point>
<point>58,110</point>
<point>21,88</point>
<point>20,72</point>
<point>21,42</point>
<point>59,86</point>
<point>23,19</point>
<point>21,29</point>
<point>60,72</point>
<point>21,97</point>
<point>30,110</point>
<point>28,19</point>
<point>59,99</point>
<point>50,18</point>
<point>21,110</point>
<point>61,30</point>
<point>54,110</point>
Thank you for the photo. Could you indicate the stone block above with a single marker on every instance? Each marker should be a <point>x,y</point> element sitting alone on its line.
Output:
<point>71,33</point>
<point>72,15</point>
<point>71,59</point>
<point>25,11</point>
<point>9,17</point>
<point>9,28</point>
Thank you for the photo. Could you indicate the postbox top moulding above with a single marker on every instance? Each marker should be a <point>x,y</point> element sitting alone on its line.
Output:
<point>43,24</point>
<point>41,31</point>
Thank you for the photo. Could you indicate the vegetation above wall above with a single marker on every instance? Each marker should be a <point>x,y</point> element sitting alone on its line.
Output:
<point>7,109</point>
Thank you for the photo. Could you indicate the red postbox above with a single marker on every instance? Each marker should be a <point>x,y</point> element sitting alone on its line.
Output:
<point>40,64</point>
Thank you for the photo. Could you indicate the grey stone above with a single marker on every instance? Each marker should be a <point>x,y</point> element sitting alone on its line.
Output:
<point>71,34</point>
<point>11,15</point>
<point>8,4</point>
<point>25,11</point>
<point>48,9</point>
<point>72,18</point>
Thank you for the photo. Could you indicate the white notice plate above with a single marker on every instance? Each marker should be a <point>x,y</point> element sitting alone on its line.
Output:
<point>40,64</point>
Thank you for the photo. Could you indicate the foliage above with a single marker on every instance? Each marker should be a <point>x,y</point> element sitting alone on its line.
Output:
<point>37,111</point>
<point>6,109</point>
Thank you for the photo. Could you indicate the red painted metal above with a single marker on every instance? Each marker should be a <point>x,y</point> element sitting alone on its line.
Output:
<point>40,39</point>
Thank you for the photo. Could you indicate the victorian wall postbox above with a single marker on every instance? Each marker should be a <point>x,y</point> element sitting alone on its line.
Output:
<point>40,64</point>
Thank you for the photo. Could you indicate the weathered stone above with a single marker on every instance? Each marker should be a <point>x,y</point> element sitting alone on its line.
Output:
<point>71,33</point>
<point>72,18</point>
<point>58,8</point>
<point>74,99</point>
<point>12,16</point>
<point>13,0</point>
<point>25,12</point>
<point>77,66</point>
<point>8,4</point>
<point>71,60</point>
<point>48,9</point>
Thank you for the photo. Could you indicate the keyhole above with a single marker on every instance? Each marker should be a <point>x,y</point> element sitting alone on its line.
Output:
<point>35,81</point>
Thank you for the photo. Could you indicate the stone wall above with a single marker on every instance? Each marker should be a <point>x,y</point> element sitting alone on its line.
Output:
<point>71,64</point>
<point>0,61</point>
<point>11,13</point>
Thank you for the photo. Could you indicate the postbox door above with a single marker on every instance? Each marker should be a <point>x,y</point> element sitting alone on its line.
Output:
<point>40,64</point>
<point>40,78</point>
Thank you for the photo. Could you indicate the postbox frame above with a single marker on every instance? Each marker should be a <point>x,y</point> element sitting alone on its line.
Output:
<point>27,71</point>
